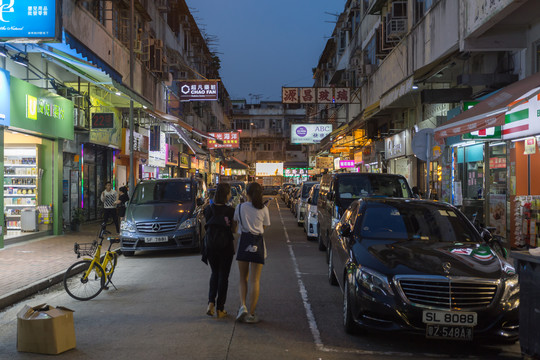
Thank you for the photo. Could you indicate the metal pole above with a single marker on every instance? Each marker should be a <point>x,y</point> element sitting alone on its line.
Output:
<point>428,158</point>
<point>131,122</point>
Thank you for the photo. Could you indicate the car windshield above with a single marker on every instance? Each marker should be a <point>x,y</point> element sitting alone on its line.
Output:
<point>162,191</point>
<point>415,222</point>
<point>355,187</point>
<point>305,190</point>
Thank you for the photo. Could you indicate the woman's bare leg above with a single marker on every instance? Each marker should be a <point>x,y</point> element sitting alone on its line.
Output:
<point>243,267</point>
<point>254,285</point>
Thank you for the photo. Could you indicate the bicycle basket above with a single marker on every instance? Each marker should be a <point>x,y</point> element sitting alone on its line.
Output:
<point>85,249</point>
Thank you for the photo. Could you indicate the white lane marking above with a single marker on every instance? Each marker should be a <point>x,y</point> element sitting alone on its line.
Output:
<point>303,292</point>
<point>313,323</point>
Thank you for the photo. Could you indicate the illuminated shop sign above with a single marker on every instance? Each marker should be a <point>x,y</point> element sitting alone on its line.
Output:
<point>28,19</point>
<point>346,164</point>
<point>269,169</point>
<point>296,172</point>
<point>309,133</point>
<point>4,98</point>
<point>230,140</point>
<point>318,95</point>
<point>40,111</point>
<point>198,90</point>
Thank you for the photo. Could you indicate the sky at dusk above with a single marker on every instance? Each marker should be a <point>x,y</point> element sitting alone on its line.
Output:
<point>264,45</point>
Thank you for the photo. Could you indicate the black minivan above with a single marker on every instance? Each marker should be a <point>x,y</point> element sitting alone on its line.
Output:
<point>338,191</point>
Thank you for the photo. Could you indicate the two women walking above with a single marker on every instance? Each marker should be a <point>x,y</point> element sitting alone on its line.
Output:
<point>251,218</point>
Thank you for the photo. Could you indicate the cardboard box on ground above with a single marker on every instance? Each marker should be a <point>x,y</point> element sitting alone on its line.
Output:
<point>45,329</point>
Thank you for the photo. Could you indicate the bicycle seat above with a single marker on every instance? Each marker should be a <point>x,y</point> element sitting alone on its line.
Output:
<point>114,240</point>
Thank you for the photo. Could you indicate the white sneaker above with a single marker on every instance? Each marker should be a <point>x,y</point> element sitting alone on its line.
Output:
<point>242,312</point>
<point>251,319</point>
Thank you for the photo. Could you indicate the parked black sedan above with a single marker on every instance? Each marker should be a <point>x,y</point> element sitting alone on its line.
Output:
<point>421,266</point>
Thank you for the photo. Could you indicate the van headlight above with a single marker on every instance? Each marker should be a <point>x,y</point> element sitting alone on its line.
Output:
<point>189,223</point>
<point>127,226</point>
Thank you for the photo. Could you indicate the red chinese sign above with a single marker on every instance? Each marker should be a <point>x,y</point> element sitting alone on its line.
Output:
<point>326,95</point>
<point>230,140</point>
<point>497,163</point>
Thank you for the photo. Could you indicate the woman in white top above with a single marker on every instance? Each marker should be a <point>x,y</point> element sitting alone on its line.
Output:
<point>252,217</point>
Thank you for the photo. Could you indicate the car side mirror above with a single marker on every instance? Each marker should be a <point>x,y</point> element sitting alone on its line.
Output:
<point>486,235</point>
<point>345,230</point>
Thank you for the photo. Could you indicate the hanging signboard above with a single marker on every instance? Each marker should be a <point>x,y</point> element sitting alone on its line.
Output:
<point>198,90</point>
<point>102,120</point>
<point>309,133</point>
<point>319,95</point>
<point>230,140</point>
<point>35,19</point>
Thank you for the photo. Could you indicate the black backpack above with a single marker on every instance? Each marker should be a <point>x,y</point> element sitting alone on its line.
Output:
<point>218,232</point>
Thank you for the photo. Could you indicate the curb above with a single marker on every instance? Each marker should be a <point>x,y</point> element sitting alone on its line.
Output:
<point>29,290</point>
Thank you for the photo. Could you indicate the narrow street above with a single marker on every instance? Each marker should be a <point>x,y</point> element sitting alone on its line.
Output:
<point>159,308</point>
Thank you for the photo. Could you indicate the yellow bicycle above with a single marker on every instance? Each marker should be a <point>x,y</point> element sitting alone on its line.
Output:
<point>92,275</point>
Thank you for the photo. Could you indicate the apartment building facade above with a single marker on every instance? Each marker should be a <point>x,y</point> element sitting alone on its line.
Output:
<point>417,65</point>
<point>92,77</point>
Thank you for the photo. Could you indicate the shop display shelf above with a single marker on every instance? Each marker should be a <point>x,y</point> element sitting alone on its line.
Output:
<point>20,195</point>
<point>19,176</point>
<point>20,165</point>
<point>13,216</point>
<point>14,228</point>
<point>21,186</point>
<point>19,206</point>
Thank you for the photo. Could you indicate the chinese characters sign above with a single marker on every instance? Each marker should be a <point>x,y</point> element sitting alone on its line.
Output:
<point>325,95</point>
<point>346,164</point>
<point>198,90</point>
<point>27,19</point>
<point>230,140</point>
<point>309,133</point>
<point>296,172</point>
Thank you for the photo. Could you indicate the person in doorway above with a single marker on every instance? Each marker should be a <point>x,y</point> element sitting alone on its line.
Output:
<point>253,217</point>
<point>121,202</point>
<point>109,198</point>
<point>219,248</point>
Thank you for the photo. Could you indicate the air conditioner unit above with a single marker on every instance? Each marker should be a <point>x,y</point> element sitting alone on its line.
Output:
<point>79,118</point>
<point>356,63</point>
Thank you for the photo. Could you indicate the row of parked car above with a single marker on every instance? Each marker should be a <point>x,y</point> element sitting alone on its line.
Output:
<point>405,264</point>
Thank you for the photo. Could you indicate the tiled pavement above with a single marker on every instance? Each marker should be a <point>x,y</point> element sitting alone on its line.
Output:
<point>30,266</point>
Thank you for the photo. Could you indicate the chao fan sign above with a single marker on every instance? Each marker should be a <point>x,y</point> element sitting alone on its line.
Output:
<point>198,90</point>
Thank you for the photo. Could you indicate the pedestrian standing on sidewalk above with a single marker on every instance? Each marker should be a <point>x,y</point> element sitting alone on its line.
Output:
<point>219,248</point>
<point>121,202</point>
<point>253,217</point>
<point>109,198</point>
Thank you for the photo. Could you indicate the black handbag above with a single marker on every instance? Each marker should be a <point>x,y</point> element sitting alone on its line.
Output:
<point>250,246</point>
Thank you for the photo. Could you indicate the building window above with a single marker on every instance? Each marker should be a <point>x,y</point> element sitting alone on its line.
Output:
<point>420,9</point>
<point>371,51</point>
<point>268,147</point>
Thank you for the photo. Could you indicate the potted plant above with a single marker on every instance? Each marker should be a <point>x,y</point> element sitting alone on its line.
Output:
<point>77,218</point>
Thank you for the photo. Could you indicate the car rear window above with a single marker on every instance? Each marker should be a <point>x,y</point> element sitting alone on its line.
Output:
<point>415,222</point>
<point>355,187</point>
<point>162,191</point>
<point>305,190</point>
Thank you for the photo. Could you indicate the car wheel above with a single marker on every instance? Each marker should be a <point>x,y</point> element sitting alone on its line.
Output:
<point>348,319</point>
<point>331,276</point>
<point>319,240</point>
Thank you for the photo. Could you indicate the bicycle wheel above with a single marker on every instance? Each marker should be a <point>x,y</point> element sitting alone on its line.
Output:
<point>111,265</point>
<point>80,288</point>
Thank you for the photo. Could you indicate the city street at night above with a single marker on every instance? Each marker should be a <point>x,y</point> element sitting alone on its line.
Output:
<point>158,312</point>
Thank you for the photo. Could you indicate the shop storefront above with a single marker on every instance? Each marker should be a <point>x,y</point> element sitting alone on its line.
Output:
<point>398,153</point>
<point>32,167</point>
